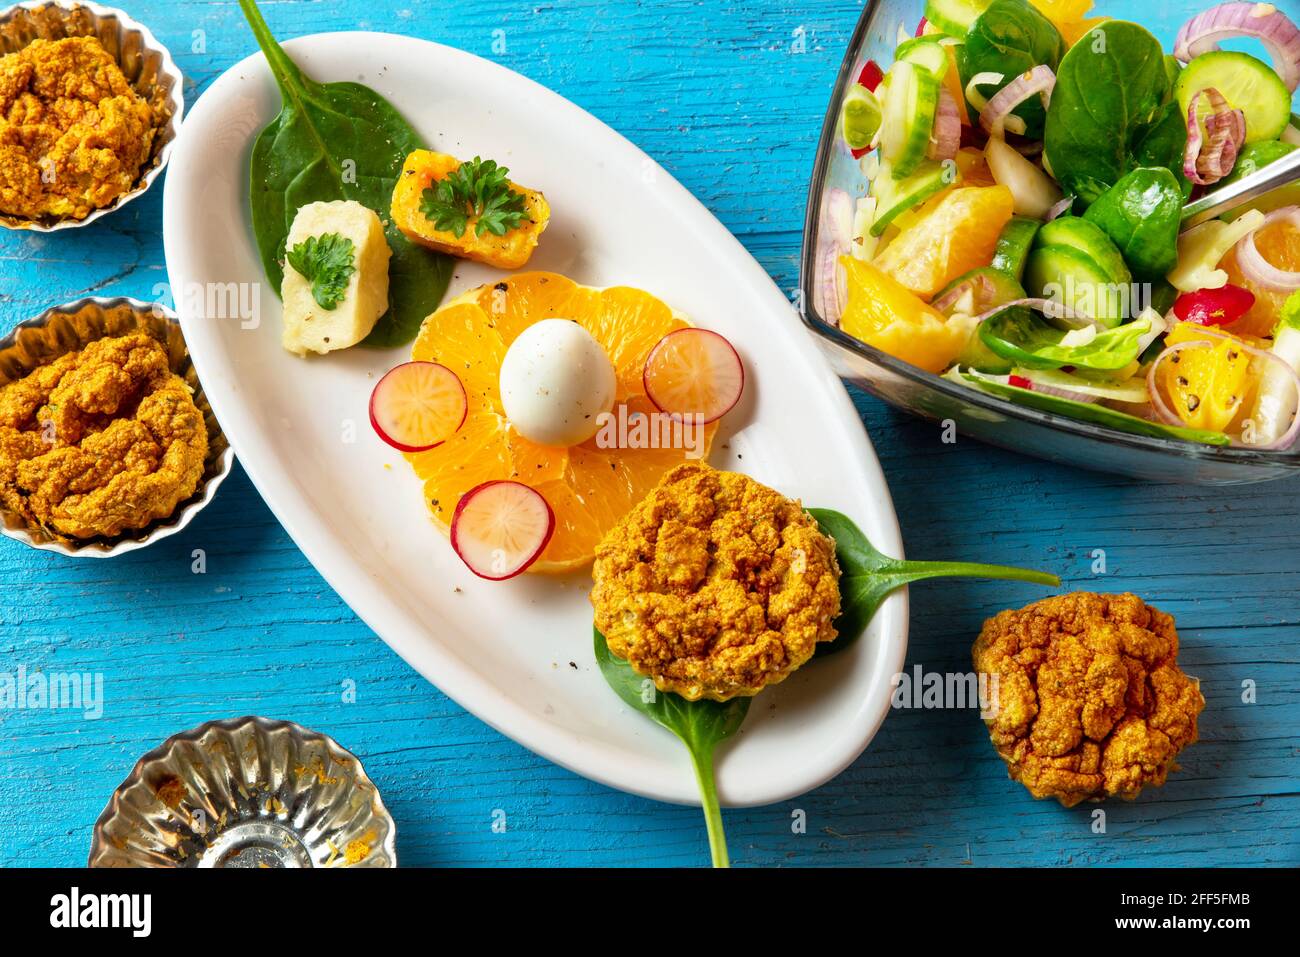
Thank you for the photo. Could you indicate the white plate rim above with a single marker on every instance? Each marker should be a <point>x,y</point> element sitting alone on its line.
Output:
<point>490,703</point>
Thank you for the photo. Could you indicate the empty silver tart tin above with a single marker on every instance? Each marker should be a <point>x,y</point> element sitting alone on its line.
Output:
<point>246,792</point>
<point>71,327</point>
<point>146,63</point>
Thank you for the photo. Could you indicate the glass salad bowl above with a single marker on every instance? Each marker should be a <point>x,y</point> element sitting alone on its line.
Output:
<point>838,175</point>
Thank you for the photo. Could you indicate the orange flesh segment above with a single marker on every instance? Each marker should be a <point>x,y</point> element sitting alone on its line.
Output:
<point>1279,244</point>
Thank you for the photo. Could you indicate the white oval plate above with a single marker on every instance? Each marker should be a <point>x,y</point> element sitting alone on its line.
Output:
<point>504,651</point>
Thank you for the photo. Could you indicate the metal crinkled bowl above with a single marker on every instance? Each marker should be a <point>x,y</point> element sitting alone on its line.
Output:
<point>246,792</point>
<point>69,328</point>
<point>146,63</point>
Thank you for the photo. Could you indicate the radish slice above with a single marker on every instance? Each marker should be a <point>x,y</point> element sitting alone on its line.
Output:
<point>417,406</point>
<point>694,372</point>
<point>500,528</point>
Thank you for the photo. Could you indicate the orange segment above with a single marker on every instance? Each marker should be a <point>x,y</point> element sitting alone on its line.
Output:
<point>515,303</point>
<point>588,487</point>
<point>884,314</point>
<point>954,237</point>
<point>465,342</point>
<point>1279,244</point>
<point>629,323</point>
<point>477,453</point>
<point>1209,387</point>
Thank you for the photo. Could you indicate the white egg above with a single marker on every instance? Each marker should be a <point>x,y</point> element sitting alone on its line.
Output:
<point>556,380</point>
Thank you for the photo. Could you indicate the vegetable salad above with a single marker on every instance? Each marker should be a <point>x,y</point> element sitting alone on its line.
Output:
<point>1029,164</point>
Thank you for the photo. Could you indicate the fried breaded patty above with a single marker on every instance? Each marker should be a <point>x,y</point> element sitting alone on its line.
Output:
<point>100,441</point>
<point>715,586</point>
<point>1091,702</point>
<point>73,132</point>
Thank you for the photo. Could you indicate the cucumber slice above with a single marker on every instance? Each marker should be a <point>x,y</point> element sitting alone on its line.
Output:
<point>925,51</point>
<point>1065,275</point>
<point>954,17</point>
<point>1012,250</point>
<point>894,196</point>
<point>1256,156</point>
<point>860,117</point>
<point>1086,411</point>
<point>1247,83</point>
<point>1091,240</point>
<point>909,109</point>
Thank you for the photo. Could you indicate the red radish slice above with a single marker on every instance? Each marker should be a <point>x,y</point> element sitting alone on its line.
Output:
<point>694,371</point>
<point>417,406</point>
<point>500,528</point>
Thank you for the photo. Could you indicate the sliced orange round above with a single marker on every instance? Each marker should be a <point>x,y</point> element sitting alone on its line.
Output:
<point>589,487</point>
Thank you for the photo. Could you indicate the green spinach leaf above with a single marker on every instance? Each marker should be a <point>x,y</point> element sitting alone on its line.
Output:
<point>1164,145</point>
<point>1142,214</point>
<point>1111,89</point>
<point>1011,37</point>
<point>336,141</point>
<point>868,576</point>
<point>701,726</point>
<point>327,262</point>
<point>1028,340</point>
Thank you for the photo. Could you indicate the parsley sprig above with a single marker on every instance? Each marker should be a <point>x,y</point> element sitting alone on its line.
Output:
<point>327,262</point>
<point>477,189</point>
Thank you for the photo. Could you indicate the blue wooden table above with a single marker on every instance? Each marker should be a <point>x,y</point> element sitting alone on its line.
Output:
<point>729,96</point>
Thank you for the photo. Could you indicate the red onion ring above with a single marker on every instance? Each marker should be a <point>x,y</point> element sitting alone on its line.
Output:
<point>837,233</point>
<point>1059,207</point>
<point>1039,81</point>
<point>1208,161</point>
<point>1063,393</point>
<point>1202,33</point>
<point>1258,269</point>
<point>946,137</point>
<point>831,295</point>
<point>1170,417</point>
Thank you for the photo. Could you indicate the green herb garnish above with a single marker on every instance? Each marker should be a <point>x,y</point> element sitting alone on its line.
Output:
<point>479,190</point>
<point>867,579</point>
<point>327,262</point>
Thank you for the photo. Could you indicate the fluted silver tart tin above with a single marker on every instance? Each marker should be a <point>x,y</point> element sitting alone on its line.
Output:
<point>147,64</point>
<point>69,328</point>
<point>246,792</point>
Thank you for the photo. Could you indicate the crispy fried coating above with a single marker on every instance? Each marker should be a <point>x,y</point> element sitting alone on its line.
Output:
<point>715,586</point>
<point>100,441</point>
<point>1091,701</point>
<point>73,132</point>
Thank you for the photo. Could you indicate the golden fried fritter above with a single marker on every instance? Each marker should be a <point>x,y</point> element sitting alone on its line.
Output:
<point>1091,701</point>
<point>73,132</point>
<point>715,586</point>
<point>100,441</point>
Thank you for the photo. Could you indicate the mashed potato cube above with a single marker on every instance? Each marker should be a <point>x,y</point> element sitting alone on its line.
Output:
<point>310,327</point>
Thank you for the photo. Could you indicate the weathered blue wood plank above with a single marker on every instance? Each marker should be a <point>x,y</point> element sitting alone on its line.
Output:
<point>714,90</point>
